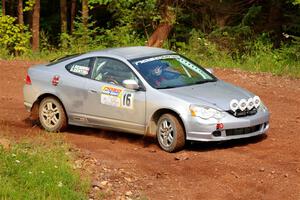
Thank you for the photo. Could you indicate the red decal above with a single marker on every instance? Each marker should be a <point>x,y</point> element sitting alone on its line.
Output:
<point>28,80</point>
<point>55,80</point>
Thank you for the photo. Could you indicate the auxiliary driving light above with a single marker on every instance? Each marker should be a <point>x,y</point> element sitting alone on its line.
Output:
<point>234,105</point>
<point>250,103</point>
<point>256,101</point>
<point>243,104</point>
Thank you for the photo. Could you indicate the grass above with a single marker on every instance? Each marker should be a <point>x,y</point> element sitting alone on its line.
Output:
<point>39,169</point>
<point>262,62</point>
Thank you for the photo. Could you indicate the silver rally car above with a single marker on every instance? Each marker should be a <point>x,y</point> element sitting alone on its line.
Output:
<point>142,90</point>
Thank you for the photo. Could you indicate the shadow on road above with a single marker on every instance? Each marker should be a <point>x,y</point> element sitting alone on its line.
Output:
<point>209,146</point>
<point>147,141</point>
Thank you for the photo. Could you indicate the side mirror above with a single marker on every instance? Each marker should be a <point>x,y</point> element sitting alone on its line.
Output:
<point>131,84</point>
<point>210,70</point>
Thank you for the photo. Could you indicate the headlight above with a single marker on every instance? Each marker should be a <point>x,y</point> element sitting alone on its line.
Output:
<point>205,112</point>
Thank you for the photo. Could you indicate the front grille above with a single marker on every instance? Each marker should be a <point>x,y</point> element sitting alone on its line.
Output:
<point>243,131</point>
<point>244,113</point>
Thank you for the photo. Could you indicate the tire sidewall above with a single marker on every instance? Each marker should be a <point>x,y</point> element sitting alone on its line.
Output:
<point>61,121</point>
<point>172,147</point>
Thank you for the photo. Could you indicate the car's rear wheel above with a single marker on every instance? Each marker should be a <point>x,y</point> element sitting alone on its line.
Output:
<point>170,133</point>
<point>52,115</point>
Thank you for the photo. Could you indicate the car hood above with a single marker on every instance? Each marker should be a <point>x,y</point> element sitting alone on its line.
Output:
<point>218,94</point>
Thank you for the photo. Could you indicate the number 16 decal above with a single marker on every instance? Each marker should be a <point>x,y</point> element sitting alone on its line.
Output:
<point>127,100</point>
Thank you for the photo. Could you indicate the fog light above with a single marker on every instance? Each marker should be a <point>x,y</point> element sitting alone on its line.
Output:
<point>216,133</point>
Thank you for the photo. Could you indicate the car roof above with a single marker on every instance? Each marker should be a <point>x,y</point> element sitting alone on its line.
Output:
<point>131,53</point>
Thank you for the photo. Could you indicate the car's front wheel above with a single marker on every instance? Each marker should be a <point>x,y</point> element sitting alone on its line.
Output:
<point>52,115</point>
<point>170,133</point>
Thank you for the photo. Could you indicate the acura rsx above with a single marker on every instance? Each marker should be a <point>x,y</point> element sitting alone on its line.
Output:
<point>142,90</point>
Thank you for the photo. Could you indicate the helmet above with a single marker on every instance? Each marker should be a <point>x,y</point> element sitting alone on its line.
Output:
<point>157,71</point>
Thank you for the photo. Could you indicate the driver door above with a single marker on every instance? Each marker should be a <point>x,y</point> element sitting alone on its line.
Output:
<point>111,105</point>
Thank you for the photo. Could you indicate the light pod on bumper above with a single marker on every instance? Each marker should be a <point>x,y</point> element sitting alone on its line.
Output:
<point>243,104</point>
<point>234,105</point>
<point>250,104</point>
<point>256,101</point>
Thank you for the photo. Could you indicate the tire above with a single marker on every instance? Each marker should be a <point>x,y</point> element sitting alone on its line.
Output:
<point>52,116</point>
<point>170,133</point>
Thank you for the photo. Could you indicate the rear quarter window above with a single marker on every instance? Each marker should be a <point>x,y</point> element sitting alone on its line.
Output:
<point>80,68</point>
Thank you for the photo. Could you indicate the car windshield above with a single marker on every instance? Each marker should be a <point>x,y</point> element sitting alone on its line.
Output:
<point>170,71</point>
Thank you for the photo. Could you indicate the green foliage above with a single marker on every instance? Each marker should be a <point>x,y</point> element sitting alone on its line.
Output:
<point>138,16</point>
<point>82,39</point>
<point>251,16</point>
<point>133,20</point>
<point>199,46</point>
<point>120,36</point>
<point>99,2</point>
<point>29,5</point>
<point>14,38</point>
<point>258,55</point>
<point>296,2</point>
<point>39,169</point>
<point>45,44</point>
<point>233,39</point>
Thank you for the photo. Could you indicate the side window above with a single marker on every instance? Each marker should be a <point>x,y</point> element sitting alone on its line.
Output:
<point>80,68</point>
<point>112,71</point>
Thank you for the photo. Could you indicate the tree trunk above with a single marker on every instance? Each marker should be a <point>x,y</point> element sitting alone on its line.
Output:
<point>221,20</point>
<point>275,21</point>
<point>36,26</point>
<point>63,15</point>
<point>73,14</point>
<point>85,13</point>
<point>3,7</point>
<point>160,35</point>
<point>20,12</point>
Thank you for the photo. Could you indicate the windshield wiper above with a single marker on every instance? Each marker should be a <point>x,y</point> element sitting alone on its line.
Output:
<point>167,87</point>
<point>205,81</point>
<point>171,86</point>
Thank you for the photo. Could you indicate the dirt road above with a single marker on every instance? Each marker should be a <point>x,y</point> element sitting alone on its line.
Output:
<point>258,168</point>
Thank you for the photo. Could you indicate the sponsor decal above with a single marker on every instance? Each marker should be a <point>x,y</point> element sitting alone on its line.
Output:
<point>112,91</point>
<point>157,58</point>
<point>78,69</point>
<point>117,97</point>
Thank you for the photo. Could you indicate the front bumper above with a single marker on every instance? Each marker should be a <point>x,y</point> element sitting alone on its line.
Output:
<point>198,129</point>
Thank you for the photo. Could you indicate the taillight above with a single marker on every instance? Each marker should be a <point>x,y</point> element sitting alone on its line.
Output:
<point>28,80</point>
